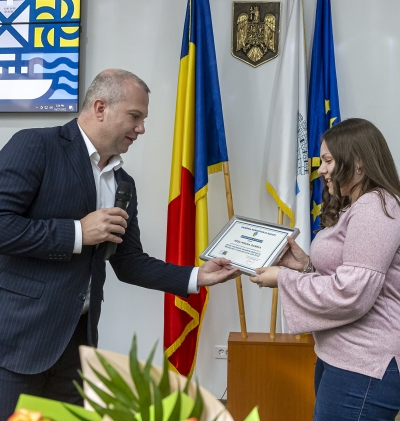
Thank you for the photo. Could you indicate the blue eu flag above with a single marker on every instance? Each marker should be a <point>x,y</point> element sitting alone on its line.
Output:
<point>323,100</point>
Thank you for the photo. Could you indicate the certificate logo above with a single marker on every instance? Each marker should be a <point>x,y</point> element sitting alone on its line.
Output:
<point>255,233</point>
<point>223,252</point>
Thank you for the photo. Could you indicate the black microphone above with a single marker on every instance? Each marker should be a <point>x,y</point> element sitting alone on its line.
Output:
<point>122,197</point>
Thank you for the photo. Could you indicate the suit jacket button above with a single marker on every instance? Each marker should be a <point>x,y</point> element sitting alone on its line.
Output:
<point>82,297</point>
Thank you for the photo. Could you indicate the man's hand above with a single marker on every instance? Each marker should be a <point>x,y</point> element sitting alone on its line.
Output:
<point>101,225</point>
<point>216,271</point>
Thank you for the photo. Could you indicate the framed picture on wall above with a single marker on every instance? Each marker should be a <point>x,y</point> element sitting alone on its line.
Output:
<point>39,55</point>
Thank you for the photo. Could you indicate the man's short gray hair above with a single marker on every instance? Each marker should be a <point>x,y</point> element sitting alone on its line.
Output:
<point>109,86</point>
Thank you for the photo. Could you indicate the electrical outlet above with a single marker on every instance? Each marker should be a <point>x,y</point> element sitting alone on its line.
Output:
<point>221,351</point>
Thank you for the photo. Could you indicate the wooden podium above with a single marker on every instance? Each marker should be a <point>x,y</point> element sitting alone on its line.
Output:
<point>276,374</point>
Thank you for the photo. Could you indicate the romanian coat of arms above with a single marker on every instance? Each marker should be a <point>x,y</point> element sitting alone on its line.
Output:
<point>255,31</point>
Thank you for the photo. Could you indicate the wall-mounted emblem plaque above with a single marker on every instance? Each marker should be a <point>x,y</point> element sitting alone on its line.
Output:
<point>255,31</point>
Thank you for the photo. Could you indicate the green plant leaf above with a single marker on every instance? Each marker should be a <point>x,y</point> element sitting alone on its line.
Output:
<point>115,377</point>
<point>198,404</point>
<point>254,415</point>
<point>164,385</point>
<point>148,401</point>
<point>169,402</point>
<point>115,414</point>
<point>176,411</point>
<point>74,412</point>
<point>97,408</point>
<point>79,388</point>
<point>141,382</point>
<point>149,361</point>
<point>158,406</point>
<point>125,394</point>
<point>111,400</point>
<point>134,366</point>
<point>186,388</point>
<point>119,415</point>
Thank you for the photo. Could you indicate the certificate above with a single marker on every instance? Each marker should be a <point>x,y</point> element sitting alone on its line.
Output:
<point>250,244</point>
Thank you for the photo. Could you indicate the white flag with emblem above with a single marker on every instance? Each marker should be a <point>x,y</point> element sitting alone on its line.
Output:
<point>286,160</point>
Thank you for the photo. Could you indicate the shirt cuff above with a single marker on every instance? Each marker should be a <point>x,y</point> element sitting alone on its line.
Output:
<point>192,287</point>
<point>78,238</point>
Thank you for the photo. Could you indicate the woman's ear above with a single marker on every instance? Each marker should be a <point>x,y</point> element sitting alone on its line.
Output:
<point>359,166</point>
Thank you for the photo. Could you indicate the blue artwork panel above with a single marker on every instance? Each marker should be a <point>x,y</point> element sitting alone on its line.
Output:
<point>39,55</point>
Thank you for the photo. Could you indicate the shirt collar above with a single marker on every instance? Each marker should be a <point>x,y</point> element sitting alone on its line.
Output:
<point>114,162</point>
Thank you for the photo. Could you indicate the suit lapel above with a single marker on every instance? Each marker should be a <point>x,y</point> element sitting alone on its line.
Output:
<point>118,176</point>
<point>77,152</point>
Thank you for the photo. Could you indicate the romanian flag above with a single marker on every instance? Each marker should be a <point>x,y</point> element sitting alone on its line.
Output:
<point>199,149</point>
<point>323,101</point>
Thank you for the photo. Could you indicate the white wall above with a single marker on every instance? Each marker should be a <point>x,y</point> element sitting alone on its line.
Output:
<point>145,37</point>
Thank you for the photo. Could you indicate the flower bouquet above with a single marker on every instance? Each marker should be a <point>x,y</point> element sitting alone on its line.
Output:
<point>121,388</point>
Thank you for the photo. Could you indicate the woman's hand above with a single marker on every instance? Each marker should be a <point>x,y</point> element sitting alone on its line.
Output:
<point>295,258</point>
<point>266,277</point>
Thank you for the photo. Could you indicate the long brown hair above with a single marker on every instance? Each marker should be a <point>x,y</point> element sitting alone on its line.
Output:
<point>348,141</point>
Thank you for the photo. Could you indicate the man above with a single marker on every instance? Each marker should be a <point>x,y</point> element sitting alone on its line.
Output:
<point>57,190</point>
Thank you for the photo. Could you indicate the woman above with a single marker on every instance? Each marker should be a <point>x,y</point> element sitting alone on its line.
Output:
<point>348,292</point>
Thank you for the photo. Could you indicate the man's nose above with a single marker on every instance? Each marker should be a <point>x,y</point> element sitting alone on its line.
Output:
<point>140,129</point>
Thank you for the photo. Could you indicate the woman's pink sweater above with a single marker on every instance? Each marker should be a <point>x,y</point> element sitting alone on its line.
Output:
<point>351,303</point>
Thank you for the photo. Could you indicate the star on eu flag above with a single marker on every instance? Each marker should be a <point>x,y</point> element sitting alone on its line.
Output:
<point>316,210</point>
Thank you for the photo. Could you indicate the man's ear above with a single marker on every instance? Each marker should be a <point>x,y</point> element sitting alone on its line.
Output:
<point>99,108</point>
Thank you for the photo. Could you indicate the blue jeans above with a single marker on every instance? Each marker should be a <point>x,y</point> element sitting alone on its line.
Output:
<point>343,395</point>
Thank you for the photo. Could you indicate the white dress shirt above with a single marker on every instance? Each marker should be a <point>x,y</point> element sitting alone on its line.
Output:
<point>106,186</point>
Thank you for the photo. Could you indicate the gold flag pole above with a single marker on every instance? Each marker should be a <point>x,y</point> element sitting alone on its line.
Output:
<point>274,307</point>
<point>239,290</point>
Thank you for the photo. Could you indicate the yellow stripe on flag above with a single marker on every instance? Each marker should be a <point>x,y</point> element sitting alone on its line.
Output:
<point>187,308</point>
<point>183,148</point>
<point>200,244</point>
<point>212,169</point>
<point>201,226</point>
<point>314,175</point>
<point>316,162</point>
<point>282,205</point>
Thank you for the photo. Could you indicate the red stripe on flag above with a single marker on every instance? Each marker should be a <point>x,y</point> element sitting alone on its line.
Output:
<point>181,251</point>
<point>182,223</point>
